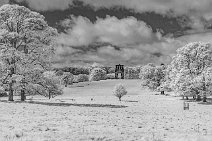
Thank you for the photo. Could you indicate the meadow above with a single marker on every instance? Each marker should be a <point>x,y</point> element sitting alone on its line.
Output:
<point>89,111</point>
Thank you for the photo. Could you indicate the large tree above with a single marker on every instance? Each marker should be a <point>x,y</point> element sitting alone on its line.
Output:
<point>190,70</point>
<point>152,76</point>
<point>26,43</point>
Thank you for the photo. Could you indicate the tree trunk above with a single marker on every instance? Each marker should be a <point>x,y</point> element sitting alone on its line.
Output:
<point>198,98</point>
<point>10,96</point>
<point>204,89</point>
<point>23,95</point>
<point>186,97</point>
<point>119,98</point>
<point>162,92</point>
<point>49,95</point>
<point>204,97</point>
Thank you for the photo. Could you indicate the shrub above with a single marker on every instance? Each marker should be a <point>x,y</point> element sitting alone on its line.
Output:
<point>111,76</point>
<point>97,74</point>
<point>82,78</point>
<point>119,91</point>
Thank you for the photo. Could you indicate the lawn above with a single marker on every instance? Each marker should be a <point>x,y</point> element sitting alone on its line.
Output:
<point>89,111</point>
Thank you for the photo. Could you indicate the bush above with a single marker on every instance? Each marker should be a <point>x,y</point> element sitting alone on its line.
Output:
<point>97,74</point>
<point>119,91</point>
<point>111,76</point>
<point>82,78</point>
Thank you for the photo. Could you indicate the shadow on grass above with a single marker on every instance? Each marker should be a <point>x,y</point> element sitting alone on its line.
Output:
<point>209,102</point>
<point>129,101</point>
<point>68,104</point>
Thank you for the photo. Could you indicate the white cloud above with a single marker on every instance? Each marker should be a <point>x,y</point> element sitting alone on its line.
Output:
<point>203,37</point>
<point>138,44</point>
<point>155,52</point>
<point>120,32</point>
<point>2,2</point>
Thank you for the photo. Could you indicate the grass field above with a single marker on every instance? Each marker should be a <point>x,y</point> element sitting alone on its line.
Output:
<point>89,111</point>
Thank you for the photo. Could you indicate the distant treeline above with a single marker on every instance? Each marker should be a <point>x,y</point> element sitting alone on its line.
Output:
<point>82,70</point>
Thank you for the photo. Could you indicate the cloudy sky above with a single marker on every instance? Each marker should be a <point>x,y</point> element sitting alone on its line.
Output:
<point>129,32</point>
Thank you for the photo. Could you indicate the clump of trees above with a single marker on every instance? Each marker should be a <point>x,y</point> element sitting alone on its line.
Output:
<point>82,78</point>
<point>119,91</point>
<point>111,76</point>
<point>97,74</point>
<point>190,72</point>
<point>73,70</point>
<point>131,72</point>
<point>26,49</point>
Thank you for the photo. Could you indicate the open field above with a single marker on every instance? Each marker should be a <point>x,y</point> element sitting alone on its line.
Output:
<point>141,115</point>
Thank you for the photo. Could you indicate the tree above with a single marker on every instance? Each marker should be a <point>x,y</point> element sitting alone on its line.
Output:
<point>152,76</point>
<point>82,78</point>
<point>67,78</point>
<point>119,91</point>
<point>132,72</point>
<point>98,74</point>
<point>26,43</point>
<point>189,69</point>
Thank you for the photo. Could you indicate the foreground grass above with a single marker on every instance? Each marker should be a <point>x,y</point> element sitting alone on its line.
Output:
<point>141,115</point>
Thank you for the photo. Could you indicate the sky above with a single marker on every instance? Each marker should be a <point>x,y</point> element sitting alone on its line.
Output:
<point>128,32</point>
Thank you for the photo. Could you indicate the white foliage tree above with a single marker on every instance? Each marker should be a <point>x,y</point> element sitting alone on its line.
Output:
<point>67,78</point>
<point>26,43</point>
<point>152,76</point>
<point>191,70</point>
<point>119,91</point>
<point>98,74</point>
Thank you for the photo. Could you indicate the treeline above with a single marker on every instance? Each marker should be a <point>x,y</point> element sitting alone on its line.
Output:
<point>83,70</point>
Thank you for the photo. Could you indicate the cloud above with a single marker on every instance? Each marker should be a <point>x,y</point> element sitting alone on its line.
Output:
<point>198,12</point>
<point>138,54</point>
<point>158,6</point>
<point>2,2</point>
<point>130,42</point>
<point>202,36</point>
<point>120,32</point>
<point>180,7</point>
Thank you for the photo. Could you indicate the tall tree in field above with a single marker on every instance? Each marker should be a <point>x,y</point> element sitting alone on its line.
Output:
<point>26,43</point>
<point>190,70</point>
<point>152,76</point>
